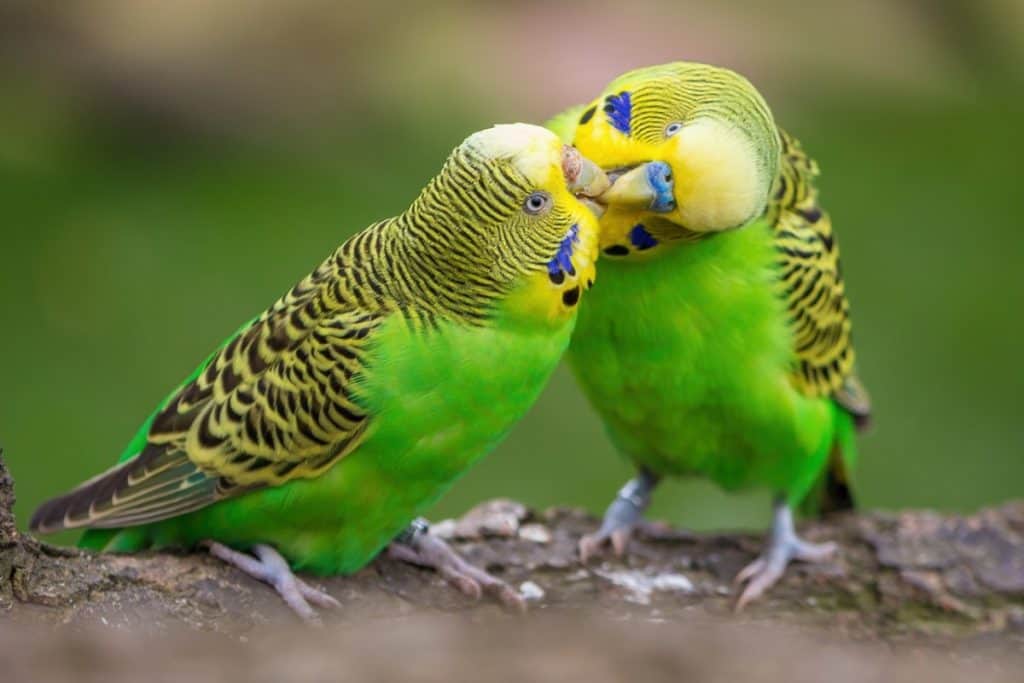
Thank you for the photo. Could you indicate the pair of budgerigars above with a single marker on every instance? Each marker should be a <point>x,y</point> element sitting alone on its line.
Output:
<point>717,344</point>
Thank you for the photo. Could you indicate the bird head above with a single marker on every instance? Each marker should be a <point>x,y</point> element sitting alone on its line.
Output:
<point>688,147</point>
<point>516,204</point>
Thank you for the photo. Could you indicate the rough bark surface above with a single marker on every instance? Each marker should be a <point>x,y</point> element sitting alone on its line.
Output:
<point>917,580</point>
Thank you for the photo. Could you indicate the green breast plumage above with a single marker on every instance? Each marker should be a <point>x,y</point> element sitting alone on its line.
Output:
<point>687,358</point>
<point>432,421</point>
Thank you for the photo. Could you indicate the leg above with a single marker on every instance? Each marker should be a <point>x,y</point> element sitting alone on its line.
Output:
<point>784,546</point>
<point>268,566</point>
<point>416,546</point>
<point>622,516</point>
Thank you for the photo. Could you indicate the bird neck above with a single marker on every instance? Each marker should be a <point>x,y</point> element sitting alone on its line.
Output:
<point>409,259</point>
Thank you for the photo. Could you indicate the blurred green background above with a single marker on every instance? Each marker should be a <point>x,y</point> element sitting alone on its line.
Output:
<point>169,169</point>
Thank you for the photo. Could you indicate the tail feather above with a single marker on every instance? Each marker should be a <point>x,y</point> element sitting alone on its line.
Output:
<point>836,494</point>
<point>157,484</point>
<point>833,492</point>
<point>71,510</point>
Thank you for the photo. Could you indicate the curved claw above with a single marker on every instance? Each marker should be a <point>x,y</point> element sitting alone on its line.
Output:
<point>761,576</point>
<point>429,551</point>
<point>748,572</point>
<point>621,517</point>
<point>783,547</point>
<point>588,546</point>
<point>270,567</point>
<point>591,545</point>
<point>762,573</point>
<point>620,539</point>
<point>316,596</point>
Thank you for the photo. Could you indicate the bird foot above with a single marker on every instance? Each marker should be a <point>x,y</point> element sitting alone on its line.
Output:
<point>624,516</point>
<point>618,538</point>
<point>425,550</point>
<point>765,571</point>
<point>271,568</point>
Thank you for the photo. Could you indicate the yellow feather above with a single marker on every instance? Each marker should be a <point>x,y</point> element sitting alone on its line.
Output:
<point>719,183</point>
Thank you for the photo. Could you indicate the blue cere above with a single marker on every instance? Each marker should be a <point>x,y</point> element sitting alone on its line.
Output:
<point>562,262</point>
<point>619,109</point>
<point>659,175</point>
<point>641,239</point>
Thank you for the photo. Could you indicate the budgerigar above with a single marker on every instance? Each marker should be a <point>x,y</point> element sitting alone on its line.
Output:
<point>718,343</point>
<point>321,429</point>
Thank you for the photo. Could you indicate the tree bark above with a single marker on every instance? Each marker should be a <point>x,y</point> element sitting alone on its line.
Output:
<point>915,578</point>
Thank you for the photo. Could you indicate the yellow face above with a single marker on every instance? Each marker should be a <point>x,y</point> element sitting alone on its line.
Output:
<point>554,213</point>
<point>555,169</point>
<point>711,131</point>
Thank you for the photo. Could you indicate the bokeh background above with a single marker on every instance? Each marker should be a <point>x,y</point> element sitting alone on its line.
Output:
<point>168,169</point>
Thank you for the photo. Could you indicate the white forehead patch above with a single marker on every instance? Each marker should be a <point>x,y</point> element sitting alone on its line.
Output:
<point>532,148</point>
<point>509,139</point>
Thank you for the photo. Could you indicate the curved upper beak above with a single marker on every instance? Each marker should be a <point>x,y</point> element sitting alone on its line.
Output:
<point>591,181</point>
<point>648,186</point>
<point>584,178</point>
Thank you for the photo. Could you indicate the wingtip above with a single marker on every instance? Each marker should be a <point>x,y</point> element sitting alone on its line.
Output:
<point>863,422</point>
<point>46,519</point>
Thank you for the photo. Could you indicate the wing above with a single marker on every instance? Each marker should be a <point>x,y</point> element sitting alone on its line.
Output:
<point>273,404</point>
<point>812,285</point>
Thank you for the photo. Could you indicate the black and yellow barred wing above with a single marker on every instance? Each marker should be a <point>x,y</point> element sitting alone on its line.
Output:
<point>812,285</point>
<point>274,403</point>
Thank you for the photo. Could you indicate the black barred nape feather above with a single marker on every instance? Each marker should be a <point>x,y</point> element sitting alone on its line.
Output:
<point>277,401</point>
<point>468,237</point>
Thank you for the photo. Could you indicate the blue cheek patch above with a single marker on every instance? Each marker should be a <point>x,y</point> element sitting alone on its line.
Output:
<point>641,239</point>
<point>561,264</point>
<point>619,110</point>
<point>659,175</point>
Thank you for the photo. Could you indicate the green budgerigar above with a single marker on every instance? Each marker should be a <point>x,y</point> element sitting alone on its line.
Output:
<point>718,344</point>
<point>318,431</point>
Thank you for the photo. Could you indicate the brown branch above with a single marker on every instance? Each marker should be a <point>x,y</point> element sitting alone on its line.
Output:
<point>914,577</point>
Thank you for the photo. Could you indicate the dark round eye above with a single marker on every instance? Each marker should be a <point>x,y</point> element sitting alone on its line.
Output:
<point>673,128</point>
<point>537,203</point>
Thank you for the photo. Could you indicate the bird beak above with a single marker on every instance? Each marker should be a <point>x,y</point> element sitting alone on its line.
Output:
<point>648,186</point>
<point>584,178</point>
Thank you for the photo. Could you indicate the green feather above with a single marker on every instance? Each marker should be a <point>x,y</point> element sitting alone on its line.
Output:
<point>416,385</point>
<point>564,123</point>
<point>327,424</point>
<point>686,357</point>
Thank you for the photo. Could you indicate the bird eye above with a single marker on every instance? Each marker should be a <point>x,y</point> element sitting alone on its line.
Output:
<point>537,203</point>
<point>673,128</point>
